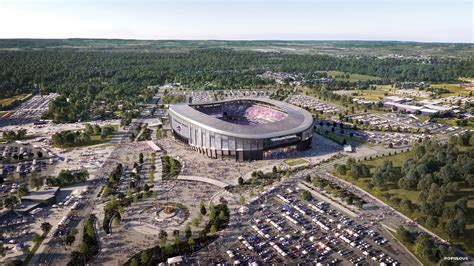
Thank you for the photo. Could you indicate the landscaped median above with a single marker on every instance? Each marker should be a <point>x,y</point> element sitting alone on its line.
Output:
<point>46,228</point>
<point>89,246</point>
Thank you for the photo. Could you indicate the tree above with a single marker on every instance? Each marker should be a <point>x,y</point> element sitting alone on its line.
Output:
<point>191,241</point>
<point>84,248</point>
<point>203,210</point>
<point>221,216</point>
<point>158,133</point>
<point>240,181</point>
<point>70,239</point>
<point>350,162</point>
<point>36,182</point>
<point>213,230</point>
<point>135,199</point>
<point>461,204</point>
<point>316,181</point>
<point>2,250</point>
<point>36,238</point>
<point>144,257</point>
<point>22,191</point>
<point>162,235</point>
<point>455,228</point>
<point>306,195</point>
<point>274,169</point>
<point>134,262</point>
<point>116,220</point>
<point>349,200</point>
<point>403,234</point>
<point>251,193</point>
<point>425,247</point>
<point>45,226</point>
<point>187,231</point>
<point>406,205</point>
<point>432,221</point>
<point>341,169</point>
<point>242,200</point>
<point>10,202</point>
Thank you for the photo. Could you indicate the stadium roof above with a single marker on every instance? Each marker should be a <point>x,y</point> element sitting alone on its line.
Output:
<point>297,120</point>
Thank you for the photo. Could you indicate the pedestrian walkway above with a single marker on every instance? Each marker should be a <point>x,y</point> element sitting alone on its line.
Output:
<point>204,179</point>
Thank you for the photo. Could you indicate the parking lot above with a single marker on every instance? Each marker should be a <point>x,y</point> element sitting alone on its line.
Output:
<point>204,96</point>
<point>283,228</point>
<point>29,111</point>
<point>313,103</point>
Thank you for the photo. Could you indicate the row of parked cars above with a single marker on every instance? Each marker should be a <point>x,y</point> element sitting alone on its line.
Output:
<point>286,229</point>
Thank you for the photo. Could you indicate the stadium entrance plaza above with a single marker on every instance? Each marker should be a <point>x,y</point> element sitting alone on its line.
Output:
<point>229,170</point>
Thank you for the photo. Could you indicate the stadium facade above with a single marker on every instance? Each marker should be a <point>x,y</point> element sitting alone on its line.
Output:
<point>244,129</point>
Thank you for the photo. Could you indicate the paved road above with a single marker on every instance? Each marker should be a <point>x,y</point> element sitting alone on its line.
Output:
<point>55,251</point>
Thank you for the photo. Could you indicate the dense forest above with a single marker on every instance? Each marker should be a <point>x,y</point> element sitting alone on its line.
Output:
<point>93,84</point>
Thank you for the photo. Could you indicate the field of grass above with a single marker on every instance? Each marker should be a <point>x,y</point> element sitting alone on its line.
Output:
<point>397,160</point>
<point>8,101</point>
<point>295,161</point>
<point>339,138</point>
<point>371,95</point>
<point>95,140</point>
<point>466,244</point>
<point>352,77</point>
<point>455,89</point>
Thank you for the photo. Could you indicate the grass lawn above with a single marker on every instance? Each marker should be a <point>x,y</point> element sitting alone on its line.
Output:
<point>295,161</point>
<point>397,160</point>
<point>466,244</point>
<point>95,140</point>
<point>7,101</point>
<point>339,138</point>
<point>455,89</point>
<point>352,77</point>
<point>370,95</point>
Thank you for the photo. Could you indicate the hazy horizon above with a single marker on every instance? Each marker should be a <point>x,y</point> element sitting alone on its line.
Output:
<point>240,40</point>
<point>239,20</point>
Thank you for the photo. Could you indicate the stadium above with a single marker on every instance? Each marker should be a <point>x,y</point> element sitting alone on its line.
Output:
<point>244,129</point>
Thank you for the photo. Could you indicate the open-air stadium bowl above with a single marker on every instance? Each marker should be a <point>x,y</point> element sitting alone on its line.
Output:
<point>244,129</point>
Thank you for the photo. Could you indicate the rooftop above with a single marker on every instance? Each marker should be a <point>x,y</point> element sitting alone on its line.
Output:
<point>44,193</point>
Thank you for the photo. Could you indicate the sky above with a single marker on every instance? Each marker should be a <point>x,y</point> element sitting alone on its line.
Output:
<point>399,20</point>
